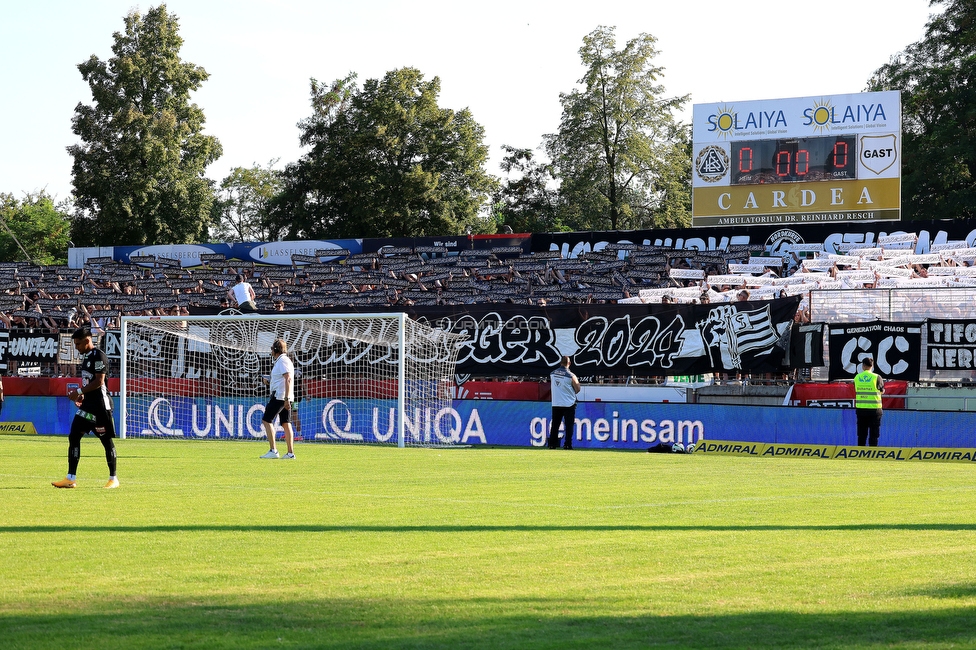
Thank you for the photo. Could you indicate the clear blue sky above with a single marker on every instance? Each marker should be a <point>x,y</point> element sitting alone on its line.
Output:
<point>506,60</point>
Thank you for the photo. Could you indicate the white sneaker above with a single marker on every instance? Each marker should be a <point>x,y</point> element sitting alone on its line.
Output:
<point>273,454</point>
<point>288,456</point>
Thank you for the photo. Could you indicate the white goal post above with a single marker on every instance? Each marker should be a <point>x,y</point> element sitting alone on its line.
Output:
<point>360,378</point>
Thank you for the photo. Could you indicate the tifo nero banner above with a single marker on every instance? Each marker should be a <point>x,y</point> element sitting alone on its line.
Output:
<point>951,344</point>
<point>776,240</point>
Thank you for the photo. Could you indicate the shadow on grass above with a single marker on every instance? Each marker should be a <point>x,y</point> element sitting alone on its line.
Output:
<point>948,591</point>
<point>514,528</point>
<point>473,623</point>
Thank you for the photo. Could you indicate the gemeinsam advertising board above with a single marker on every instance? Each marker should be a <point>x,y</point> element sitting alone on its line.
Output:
<point>820,159</point>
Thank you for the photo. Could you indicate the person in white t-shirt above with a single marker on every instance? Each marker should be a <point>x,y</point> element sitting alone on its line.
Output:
<point>282,383</point>
<point>565,385</point>
<point>243,293</point>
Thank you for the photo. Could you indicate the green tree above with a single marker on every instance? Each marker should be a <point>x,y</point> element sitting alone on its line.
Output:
<point>672,187</point>
<point>138,172</point>
<point>937,79</point>
<point>385,160</point>
<point>243,203</point>
<point>33,229</point>
<point>619,152</point>
<point>526,200</point>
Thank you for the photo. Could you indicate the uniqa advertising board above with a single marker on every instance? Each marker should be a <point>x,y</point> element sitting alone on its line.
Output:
<point>823,159</point>
<point>466,422</point>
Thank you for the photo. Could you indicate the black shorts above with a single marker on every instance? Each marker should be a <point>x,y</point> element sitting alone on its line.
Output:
<point>101,424</point>
<point>276,407</point>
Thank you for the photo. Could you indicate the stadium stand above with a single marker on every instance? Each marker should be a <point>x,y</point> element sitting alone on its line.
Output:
<point>59,298</point>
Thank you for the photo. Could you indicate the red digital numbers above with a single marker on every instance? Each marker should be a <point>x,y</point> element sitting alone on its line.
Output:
<point>802,162</point>
<point>791,160</point>
<point>788,165</point>
<point>782,163</point>
<point>840,154</point>
<point>745,160</point>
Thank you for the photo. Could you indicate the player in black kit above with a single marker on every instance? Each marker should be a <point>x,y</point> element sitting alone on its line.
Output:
<point>94,409</point>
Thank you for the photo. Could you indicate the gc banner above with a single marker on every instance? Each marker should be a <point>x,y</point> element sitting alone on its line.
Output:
<point>895,347</point>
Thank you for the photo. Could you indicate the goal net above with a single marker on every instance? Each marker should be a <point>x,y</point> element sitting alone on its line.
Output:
<point>360,378</point>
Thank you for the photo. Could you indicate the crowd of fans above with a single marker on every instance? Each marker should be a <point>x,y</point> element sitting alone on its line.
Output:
<point>59,297</point>
<point>103,290</point>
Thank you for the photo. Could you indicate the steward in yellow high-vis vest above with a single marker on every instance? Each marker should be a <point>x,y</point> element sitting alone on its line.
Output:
<point>868,387</point>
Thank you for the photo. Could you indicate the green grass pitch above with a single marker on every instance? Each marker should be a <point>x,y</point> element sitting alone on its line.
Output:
<point>206,546</point>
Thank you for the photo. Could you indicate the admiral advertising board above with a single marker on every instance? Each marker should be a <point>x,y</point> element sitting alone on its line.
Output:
<point>824,159</point>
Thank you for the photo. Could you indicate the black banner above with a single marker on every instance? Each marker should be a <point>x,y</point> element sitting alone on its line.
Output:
<point>612,340</point>
<point>951,344</point>
<point>807,346</point>
<point>32,345</point>
<point>515,244</point>
<point>895,347</point>
<point>624,340</point>
<point>769,238</point>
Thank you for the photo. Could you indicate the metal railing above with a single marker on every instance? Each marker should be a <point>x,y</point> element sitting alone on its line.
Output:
<point>915,305</point>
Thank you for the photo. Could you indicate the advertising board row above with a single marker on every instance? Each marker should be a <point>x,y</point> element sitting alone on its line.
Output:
<point>751,430</point>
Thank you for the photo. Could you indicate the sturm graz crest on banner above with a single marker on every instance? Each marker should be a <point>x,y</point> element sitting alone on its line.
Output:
<point>729,332</point>
<point>781,242</point>
<point>746,336</point>
<point>234,345</point>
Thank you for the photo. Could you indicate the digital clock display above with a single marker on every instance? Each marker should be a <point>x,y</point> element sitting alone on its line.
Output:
<point>794,160</point>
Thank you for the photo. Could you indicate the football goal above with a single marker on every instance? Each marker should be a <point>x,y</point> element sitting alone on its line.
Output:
<point>360,378</point>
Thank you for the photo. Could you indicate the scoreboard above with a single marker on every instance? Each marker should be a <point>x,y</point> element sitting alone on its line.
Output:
<point>804,160</point>
<point>793,160</point>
